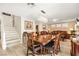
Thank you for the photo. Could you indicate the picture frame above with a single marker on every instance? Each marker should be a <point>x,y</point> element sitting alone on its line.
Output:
<point>28,25</point>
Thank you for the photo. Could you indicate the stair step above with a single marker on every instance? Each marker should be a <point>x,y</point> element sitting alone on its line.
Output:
<point>8,22</point>
<point>8,25</point>
<point>7,29</point>
<point>9,39</point>
<point>12,37</point>
<point>12,41</point>
<point>10,30</point>
<point>10,45</point>
<point>10,34</point>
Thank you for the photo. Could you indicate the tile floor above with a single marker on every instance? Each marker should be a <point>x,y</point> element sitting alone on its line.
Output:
<point>18,50</point>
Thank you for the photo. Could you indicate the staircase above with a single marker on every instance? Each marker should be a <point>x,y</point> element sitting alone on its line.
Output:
<point>11,35</point>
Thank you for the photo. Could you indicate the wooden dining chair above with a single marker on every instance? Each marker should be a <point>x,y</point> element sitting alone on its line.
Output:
<point>30,46</point>
<point>24,41</point>
<point>49,47</point>
<point>53,47</point>
<point>57,43</point>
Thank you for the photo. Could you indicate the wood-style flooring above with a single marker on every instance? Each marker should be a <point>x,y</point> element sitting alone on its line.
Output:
<point>18,50</point>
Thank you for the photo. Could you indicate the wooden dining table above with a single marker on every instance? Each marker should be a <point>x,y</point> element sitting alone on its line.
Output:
<point>44,39</point>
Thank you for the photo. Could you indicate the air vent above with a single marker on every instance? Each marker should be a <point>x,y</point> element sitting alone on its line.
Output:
<point>6,14</point>
<point>43,11</point>
<point>30,4</point>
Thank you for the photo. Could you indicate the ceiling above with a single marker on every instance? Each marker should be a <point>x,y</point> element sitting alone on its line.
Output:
<point>60,11</point>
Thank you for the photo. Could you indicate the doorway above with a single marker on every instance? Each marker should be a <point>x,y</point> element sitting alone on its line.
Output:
<point>37,29</point>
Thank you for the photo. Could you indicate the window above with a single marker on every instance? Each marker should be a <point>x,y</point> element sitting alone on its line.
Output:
<point>53,25</point>
<point>64,25</point>
<point>58,25</point>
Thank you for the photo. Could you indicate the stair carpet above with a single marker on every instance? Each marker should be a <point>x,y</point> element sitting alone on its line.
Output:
<point>11,36</point>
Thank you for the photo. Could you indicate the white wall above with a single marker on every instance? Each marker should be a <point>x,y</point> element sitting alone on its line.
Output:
<point>34,25</point>
<point>41,26</point>
<point>22,26</point>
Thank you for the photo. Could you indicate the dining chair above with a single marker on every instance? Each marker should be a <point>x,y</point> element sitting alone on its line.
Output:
<point>57,43</point>
<point>49,47</point>
<point>53,46</point>
<point>24,41</point>
<point>30,45</point>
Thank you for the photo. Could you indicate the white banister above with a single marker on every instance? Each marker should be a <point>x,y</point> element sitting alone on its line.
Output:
<point>3,34</point>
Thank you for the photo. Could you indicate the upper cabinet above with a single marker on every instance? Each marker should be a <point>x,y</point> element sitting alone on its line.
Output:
<point>60,26</point>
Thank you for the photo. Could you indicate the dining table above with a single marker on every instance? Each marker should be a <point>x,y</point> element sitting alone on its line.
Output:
<point>44,39</point>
